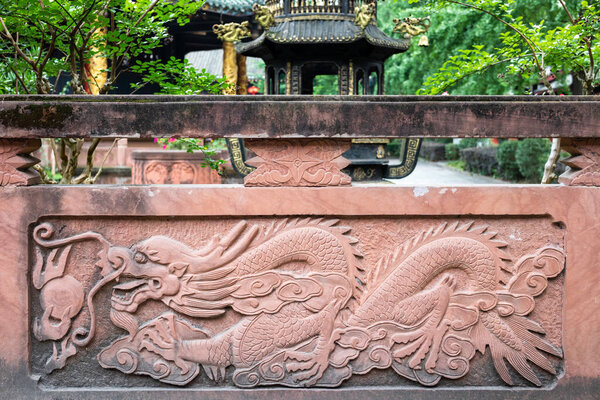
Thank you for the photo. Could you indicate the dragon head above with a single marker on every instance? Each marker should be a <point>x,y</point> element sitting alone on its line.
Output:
<point>161,268</point>
<point>151,272</point>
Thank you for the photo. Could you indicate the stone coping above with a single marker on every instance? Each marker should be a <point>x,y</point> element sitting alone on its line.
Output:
<point>299,116</point>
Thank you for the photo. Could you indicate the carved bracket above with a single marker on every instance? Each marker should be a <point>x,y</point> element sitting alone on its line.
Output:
<point>584,163</point>
<point>16,161</point>
<point>298,163</point>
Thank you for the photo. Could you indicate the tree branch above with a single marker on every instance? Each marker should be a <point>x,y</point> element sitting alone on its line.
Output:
<point>93,180</point>
<point>530,44</point>
<point>483,68</point>
<point>89,165</point>
<point>45,178</point>
<point>20,79</point>
<point>16,46</point>
<point>564,6</point>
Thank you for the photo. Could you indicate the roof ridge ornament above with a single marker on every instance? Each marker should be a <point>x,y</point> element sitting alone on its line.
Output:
<point>364,14</point>
<point>263,16</point>
<point>412,27</point>
<point>232,31</point>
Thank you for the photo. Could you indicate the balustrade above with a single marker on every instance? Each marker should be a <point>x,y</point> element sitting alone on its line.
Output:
<point>298,282</point>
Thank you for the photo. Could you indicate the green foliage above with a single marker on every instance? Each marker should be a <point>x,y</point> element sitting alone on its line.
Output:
<point>465,143</point>
<point>495,46</point>
<point>395,148</point>
<point>325,84</point>
<point>531,155</point>
<point>451,29</point>
<point>481,160</point>
<point>190,145</point>
<point>177,77</point>
<point>440,140</point>
<point>509,169</point>
<point>452,151</point>
<point>457,164</point>
<point>47,37</point>
<point>432,151</point>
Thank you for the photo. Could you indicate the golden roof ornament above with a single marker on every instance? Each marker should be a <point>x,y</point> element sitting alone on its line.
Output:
<point>232,32</point>
<point>364,14</point>
<point>263,16</point>
<point>412,26</point>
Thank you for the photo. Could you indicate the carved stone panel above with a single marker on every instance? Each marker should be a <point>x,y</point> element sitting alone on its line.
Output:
<point>297,302</point>
<point>584,163</point>
<point>171,167</point>
<point>16,162</point>
<point>298,163</point>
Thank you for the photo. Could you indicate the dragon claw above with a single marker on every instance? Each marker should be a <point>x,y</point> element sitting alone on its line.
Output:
<point>298,355</point>
<point>214,373</point>
<point>311,365</point>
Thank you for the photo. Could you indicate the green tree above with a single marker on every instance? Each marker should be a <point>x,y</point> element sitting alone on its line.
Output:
<point>46,38</point>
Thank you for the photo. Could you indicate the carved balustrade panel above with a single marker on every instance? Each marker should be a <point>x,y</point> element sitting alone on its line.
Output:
<point>297,302</point>
<point>300,162</point>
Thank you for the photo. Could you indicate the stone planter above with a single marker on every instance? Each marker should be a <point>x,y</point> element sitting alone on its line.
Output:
<point>171,167</point>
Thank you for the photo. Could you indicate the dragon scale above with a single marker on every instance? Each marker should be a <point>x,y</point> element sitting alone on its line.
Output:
<point>321,249</point>
<point>423,265</point>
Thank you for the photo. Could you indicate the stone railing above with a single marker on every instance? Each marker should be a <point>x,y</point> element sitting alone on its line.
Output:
<point>298,282</point>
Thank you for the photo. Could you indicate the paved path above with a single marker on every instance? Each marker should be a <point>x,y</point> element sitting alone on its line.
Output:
<point>437,174</point>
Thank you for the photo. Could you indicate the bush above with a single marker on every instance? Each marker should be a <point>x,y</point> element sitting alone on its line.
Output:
<point>481,160</point>
<point>440,140</point>
<point>452,151</point>
<point>465,143</point>
<point>433,151</point>
<point>394,148</point>
<point>507,163</point>
<point>531,155</point>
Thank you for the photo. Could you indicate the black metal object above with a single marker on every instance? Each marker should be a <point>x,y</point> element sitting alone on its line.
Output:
<point>311,39</point>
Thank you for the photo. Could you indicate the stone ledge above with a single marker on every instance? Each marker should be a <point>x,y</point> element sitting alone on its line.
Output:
<point>299,116</point>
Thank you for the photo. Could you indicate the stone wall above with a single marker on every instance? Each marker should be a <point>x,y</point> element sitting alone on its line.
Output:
<point>299,284</point>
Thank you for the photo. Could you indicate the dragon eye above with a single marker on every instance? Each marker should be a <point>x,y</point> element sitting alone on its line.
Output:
<point>140,257</point>
<point>155,284</point>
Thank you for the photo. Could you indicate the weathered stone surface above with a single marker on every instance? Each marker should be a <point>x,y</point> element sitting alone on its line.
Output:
<point>16,162</point>
<point>584,163</point>
<point>171,167</point>
<point>515,228</point>
<point>299,116</point>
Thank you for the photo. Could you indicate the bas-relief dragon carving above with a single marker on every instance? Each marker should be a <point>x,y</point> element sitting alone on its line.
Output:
<point>310,313</point>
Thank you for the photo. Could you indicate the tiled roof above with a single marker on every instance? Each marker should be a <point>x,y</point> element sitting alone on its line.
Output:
<point>233,6</point>
<point>342,31</point>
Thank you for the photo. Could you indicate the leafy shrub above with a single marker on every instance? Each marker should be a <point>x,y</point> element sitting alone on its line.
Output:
<point>507,163</point>
<point>452,151</point>
<point>531,155</point>
<point>481,160</point>
<point>457,164</point>
<point>465,143</point>
<point>394,148</point>
<point>433,151</point>
<point>440,140</point>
